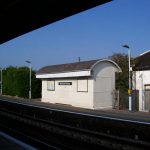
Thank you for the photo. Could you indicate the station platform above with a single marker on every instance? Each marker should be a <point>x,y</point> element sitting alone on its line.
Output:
<point>110,113</point>
<point>57,119</point>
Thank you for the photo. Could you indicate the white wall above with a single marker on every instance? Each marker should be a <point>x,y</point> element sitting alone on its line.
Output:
<point>98,94</point>
<point>68,94</point>
<point>141,78</point>
<point>104,84</point>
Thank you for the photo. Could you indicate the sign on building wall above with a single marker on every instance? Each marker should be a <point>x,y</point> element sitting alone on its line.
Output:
<point>64,83</point>
<point>147,86</point>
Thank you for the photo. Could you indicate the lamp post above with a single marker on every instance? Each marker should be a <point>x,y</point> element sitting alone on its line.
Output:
<point>29,62</point>
<point>1,81</point>
<point>129,90</point>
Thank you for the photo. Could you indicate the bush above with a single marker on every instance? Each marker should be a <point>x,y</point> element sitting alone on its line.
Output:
<point>16,82</point>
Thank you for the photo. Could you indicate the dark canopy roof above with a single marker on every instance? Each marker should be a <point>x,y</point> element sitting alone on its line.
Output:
<point>21,16</point>
<point>142,62</point>
<point>84,65</point>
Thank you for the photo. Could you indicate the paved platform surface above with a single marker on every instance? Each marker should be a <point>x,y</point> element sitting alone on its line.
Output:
<point>114,113</point>
<point>9,143</point>
<point>122,115</point>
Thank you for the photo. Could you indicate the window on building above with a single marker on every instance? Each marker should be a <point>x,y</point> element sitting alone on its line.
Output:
<point>82,85</point>
<point>51,85</point>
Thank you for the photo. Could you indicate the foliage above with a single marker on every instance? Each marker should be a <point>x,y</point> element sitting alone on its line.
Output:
<point>122,78</point>
<point>16,82</point>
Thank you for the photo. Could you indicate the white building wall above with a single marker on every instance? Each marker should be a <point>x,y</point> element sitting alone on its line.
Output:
<point>141,78</point>
<point>97,94</point>
<point>104,85</point>
<point>68,94</point>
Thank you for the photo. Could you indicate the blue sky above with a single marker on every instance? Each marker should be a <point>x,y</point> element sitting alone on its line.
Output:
<point>92,34</point>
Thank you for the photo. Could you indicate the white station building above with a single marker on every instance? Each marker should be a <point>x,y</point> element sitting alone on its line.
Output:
<point>86,84</point>
<point>141,80</point>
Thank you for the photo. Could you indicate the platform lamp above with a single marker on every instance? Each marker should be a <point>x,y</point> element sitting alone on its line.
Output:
<point>1,80</point>
<point>29,62</point>
<point>129,90</point>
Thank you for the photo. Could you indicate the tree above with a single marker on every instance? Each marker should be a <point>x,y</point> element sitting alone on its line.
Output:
<point>9,84</point>
<point>22,81</point>
<point>16,82</point>
<point>122,78</point>
<point>36,86</point>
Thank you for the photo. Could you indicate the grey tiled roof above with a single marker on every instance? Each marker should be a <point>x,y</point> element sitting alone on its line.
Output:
<point>142,62</point>
<point>83,65</point>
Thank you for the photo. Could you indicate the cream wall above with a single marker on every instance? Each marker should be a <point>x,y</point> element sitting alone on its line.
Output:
<point>104,84</point>
<point>68,94</point>
<point>100,88</point>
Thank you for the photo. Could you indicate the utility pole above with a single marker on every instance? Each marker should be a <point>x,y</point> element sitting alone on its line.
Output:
<point>129,90</point>
<point>1,81</point>
<point>29,62</point>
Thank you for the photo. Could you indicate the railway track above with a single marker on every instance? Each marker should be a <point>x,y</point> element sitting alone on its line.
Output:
<point>62,129</point>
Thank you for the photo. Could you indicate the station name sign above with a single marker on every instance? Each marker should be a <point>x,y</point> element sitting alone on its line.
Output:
<point>65,83</point>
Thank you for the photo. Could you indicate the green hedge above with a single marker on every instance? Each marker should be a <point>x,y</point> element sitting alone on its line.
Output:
<point>16,82</point>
